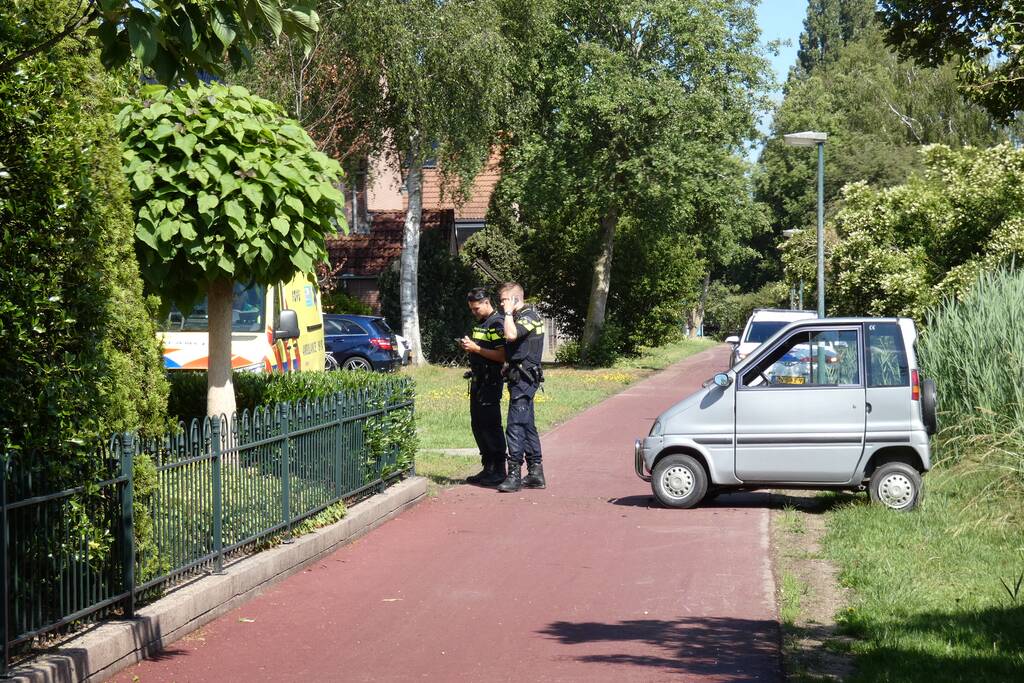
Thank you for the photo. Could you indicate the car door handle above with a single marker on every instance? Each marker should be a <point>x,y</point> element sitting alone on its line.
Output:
<point>867,407</point>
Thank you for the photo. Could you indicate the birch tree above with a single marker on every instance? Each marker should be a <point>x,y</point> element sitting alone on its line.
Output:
<point>433,76</point>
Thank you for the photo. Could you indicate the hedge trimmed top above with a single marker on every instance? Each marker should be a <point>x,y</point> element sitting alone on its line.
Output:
<point>224,186</point>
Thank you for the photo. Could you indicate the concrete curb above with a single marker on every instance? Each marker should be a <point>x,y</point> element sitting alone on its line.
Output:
<point>105,650</point>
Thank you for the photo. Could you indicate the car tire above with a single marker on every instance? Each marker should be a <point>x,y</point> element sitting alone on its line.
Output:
<point>929,406</point>
<point>679,481</point>
<point>356,363</point>
<point>896,485</point>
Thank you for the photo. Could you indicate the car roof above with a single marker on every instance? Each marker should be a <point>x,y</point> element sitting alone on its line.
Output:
<point>351,316</point>
<point>780,314</point>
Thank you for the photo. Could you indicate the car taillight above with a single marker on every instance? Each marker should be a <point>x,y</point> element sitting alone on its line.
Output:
<point>915,385</point>
<point>381,343</point>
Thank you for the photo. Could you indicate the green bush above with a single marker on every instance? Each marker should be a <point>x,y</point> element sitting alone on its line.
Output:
<point>727,310</point>
<point>390,439</point>
<point>343,302</point>
<point>81,358</point>
<point>568,352</point>
<point>443,283</point>
<point>974,350</point>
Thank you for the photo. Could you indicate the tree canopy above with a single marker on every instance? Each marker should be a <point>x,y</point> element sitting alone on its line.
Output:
<point>641,110</point>
<point>176,39</point>
<point>983,38</point>
<point>878,110</point>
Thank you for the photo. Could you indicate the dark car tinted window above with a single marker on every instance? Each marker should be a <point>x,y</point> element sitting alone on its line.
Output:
<point>352,327</point>
<point>761,331</point>
<point>887,356</point>
<point>332,326</point>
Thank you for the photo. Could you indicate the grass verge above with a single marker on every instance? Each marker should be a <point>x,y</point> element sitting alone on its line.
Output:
<point>935,594</point>
<point>442,406</point>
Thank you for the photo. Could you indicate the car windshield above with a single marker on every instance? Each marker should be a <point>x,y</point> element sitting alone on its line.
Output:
<point>761,331</point>
<point>247,313</point>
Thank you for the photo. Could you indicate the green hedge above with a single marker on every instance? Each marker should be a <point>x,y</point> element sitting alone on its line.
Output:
<point>80,356</point>
<point>392,432</point>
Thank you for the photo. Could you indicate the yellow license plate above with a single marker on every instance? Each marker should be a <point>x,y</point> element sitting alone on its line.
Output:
<point>790,380</point>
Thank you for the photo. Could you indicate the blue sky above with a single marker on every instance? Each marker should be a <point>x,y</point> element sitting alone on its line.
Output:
<point>780,20</point>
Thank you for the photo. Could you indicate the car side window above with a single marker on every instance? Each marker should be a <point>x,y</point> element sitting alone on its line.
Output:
<point>887,356</point>
<point>332,327</point>
<point>350,327</point>
<point>809,359</point>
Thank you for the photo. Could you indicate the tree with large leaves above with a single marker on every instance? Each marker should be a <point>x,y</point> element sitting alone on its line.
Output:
<point>983,38</point>
<point>642,107</point>
<point>174,38</point>
<point>226,189</point>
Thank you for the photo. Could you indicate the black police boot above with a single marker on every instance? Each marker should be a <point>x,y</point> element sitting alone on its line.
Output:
<point>494,476</point>
<point>534,478</point>
<point>513,482</point>
<point>486,472</point>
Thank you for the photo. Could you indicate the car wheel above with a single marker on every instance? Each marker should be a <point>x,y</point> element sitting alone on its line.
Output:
<point>356,363</point>
<point>896,485</point>
<point>330,362</point>
<point>929,406</point>
<point>679,481</point>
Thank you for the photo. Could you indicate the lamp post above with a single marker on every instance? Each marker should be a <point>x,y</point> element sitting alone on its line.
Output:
<point>788,234</point>
<point>810,139</point>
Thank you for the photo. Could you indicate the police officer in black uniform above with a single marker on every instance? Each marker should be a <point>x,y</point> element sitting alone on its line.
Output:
<point>524,346</point>
<point>485,345</point>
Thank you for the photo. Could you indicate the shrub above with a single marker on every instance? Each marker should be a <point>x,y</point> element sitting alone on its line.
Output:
<point>727,310</point>
<point>343,302</point>
<point>443,283</point>
<point>81,357</point>
<point>568,352</point>
<point>974,350</point>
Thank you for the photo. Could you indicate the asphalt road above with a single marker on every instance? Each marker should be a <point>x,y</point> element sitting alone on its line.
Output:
<point>588,580</point>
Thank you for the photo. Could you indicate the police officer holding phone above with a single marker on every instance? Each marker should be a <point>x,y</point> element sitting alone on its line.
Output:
<point>524,347</point>
<point>485,345</point>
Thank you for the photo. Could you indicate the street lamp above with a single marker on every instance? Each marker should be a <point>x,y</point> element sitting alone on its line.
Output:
<point>810,139</point>
<point>789,233</point>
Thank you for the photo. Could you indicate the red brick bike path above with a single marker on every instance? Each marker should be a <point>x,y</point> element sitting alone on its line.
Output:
<point>588,580</point>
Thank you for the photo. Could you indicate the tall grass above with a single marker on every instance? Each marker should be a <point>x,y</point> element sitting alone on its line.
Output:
<point>974,349</point>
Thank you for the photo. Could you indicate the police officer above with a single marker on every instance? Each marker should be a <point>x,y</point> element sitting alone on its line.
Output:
<point>524,346</point>
<point>485,345</point>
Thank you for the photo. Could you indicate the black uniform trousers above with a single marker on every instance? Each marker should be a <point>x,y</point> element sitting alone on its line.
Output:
<point>485,417</point>
<point>520,428</point>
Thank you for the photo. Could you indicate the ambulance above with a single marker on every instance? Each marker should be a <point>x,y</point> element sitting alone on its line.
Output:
<point>274,329</point>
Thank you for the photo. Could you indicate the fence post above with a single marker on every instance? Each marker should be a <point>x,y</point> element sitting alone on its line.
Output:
<point>339,445</point>
<point>284,411</point>
<point>128,521</point>
<point>218,505</point>
<point>5,620</point>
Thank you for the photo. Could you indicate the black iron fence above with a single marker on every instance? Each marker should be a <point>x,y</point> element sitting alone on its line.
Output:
<point>202,492</point>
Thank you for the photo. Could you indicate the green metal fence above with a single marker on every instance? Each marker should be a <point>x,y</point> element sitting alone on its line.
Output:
<point>219,486</point>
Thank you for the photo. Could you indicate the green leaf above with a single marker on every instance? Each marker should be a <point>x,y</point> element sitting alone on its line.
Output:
<point>144,231</point>
<point>221,28</point>
<point>143,180</point>
<point>253,193</point>
<point>281,224</point>
<point>206,202</point>
<point>270,11</point>
<point>186,143</point>
<point>187,231</point>
<point>295,204</point>
<point>142,37</point>
<point>161,131</point>
<point>228,184</point>
<point>226,264</point>
<point>302,261</point>
<point>234,210</point>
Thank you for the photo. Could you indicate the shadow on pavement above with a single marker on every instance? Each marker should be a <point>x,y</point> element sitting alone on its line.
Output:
<point>730,649</point>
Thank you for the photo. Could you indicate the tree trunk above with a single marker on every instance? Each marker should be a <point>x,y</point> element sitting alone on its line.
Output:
<point>601,283</point>
<point>697,314</point>
<point>220,392</point>
<point>411,257</point>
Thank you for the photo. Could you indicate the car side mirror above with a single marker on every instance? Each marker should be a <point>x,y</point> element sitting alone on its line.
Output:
<point>723,380</point>
<point>732,339</point>
<point>287,326</point>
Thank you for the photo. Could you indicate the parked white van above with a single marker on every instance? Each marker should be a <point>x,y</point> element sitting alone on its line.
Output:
<point>260,338</point>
